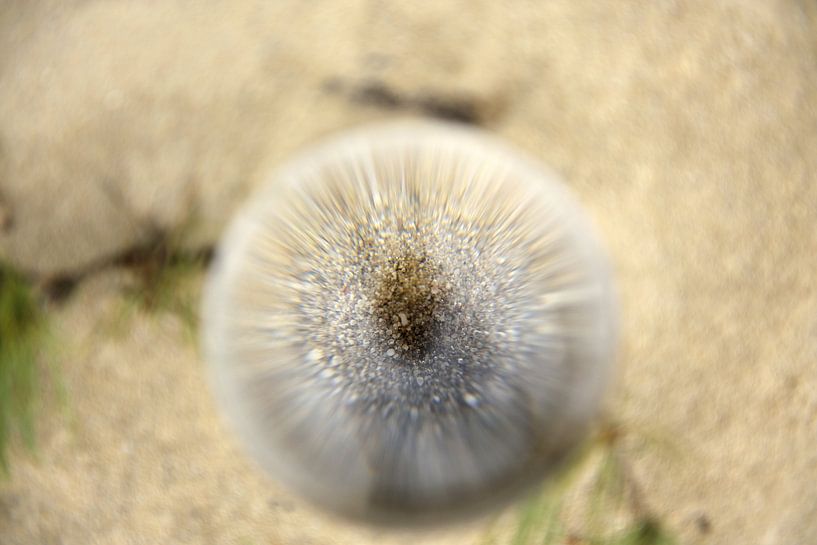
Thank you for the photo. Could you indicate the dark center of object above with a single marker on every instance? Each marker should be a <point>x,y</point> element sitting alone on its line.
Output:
<point>408,302</point>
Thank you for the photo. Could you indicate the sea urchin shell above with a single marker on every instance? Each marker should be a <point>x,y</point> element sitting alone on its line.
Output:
<point>411,321</point>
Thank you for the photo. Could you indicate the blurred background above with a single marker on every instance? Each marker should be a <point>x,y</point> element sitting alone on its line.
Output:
<point>131,130</point>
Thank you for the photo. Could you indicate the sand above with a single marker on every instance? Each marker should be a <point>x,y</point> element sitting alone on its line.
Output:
<point>687,129</point>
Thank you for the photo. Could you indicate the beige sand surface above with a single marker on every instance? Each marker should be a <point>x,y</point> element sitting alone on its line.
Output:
<point>688,129</point>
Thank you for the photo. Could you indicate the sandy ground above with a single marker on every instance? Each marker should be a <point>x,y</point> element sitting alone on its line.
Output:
<point>139,454</point>
<point>688,129</point>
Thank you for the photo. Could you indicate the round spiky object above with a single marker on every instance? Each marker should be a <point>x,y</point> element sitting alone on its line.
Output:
<point>410,322</point>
